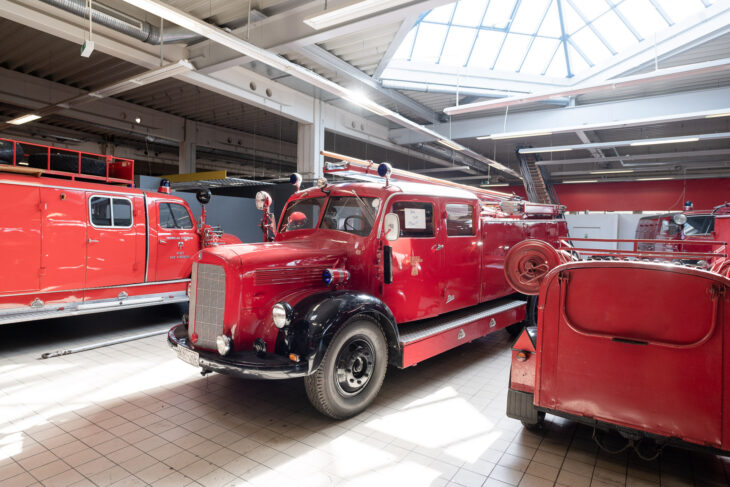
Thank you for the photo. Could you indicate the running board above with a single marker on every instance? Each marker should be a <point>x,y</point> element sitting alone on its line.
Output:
<point>424,339</point>
<point>75,309</point>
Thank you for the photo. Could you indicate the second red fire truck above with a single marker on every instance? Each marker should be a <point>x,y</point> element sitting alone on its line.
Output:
<point>390,270</point>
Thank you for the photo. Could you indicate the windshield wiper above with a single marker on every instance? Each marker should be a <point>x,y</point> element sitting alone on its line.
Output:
<point>367,210</point>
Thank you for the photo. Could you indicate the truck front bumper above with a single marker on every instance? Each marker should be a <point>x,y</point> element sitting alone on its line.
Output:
<point>246,364</point>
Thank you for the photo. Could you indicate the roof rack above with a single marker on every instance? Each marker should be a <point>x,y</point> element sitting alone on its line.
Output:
<point>45,160</point>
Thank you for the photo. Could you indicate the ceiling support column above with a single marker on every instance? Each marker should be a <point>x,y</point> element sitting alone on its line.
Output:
<point>186,162</point>
<point>310,142</point>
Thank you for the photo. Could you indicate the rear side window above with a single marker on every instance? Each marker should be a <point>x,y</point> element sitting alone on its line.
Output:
<point>416,219</point>
<point>459,220</point>
<point>176,216</point>
<point>105,211</point>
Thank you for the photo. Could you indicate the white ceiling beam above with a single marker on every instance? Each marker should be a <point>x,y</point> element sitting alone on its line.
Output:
<point>584,138</point>
<point>624,143</point>
<point>640,157</point>
<point>678,72</point>
<point>650,110</point>
<point>403,30</point>
<point>287,30</point>
<point>325,58</point>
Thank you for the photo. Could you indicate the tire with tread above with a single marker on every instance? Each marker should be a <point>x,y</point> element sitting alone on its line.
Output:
<point>322,386</point>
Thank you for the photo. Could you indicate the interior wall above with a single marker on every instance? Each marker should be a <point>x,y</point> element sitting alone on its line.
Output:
<point>640,195</point>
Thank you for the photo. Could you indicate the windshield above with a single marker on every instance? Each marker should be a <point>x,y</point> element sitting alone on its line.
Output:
<point>699,225</point>
<point>350,214</point>
<point>301,214</point>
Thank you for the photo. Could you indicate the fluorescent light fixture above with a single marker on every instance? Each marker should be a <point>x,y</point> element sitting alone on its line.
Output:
<point>513,135</point>
<point>652,179</point>
<point>614,171</point>
<point>351,12</point>
<point>666,141</point>
<point>361,100</point>
<point>545,149</point>
<point>493,185</point>
<point>578,181</point>
<point>451,144</point>
<point>24,119</point>
<point>718,115</point>
<point>164,72</point>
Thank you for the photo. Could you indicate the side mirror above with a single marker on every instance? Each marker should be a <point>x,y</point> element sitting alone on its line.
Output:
<point>203,196</point>
<point>391,226</point>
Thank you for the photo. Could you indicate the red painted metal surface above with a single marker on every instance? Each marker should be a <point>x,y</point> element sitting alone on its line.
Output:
<point>53,253</point>
<point>637,344</point>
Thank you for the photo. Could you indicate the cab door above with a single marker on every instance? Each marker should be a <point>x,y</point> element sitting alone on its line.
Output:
<point>177,241</point>
<point>462,254</point>
<point>417,259</point>
<point>112,243</point>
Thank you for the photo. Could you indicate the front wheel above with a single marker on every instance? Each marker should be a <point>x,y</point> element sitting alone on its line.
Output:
<point>352,370</point>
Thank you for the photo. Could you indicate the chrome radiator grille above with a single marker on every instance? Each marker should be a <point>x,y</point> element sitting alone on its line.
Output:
<point>207,303</point>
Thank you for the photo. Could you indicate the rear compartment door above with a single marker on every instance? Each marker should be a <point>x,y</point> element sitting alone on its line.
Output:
<point>177,241</point>
<point>63,257</point>
<point>20,244</point>
<point>115,246</point>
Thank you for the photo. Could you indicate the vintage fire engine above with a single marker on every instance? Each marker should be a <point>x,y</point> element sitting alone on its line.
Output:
<point>633,342</point>
<point>78,238</point>
<point>677,227</point>
<point>358,276</point>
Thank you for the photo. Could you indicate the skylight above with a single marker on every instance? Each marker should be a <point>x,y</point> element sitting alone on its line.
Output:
<point>551,38</point>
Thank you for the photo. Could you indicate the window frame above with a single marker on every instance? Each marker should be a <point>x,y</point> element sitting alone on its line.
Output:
<point>159,219</point>
<point>473,219</point>
<point>434,209</point>
<point>111,211</point>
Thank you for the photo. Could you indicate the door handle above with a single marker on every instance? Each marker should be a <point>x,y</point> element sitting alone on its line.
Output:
<point>437,247</point>
<point>91,240</point>
<point>162,241</point>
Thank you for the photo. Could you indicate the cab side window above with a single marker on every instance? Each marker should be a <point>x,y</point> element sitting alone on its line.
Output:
<point>459,220</point>
<point>105,211</point>
<point>416,219</point>
<point>175,216</point>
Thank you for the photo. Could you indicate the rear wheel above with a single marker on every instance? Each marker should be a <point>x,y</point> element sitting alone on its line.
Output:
<point>352,370</point>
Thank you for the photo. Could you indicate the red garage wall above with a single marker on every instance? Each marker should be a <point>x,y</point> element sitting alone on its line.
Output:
<point>640,195</point>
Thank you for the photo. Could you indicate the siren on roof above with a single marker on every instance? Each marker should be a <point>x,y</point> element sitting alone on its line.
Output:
<point>296,180</point>
<point>164,186</point>
<point>384,171</point>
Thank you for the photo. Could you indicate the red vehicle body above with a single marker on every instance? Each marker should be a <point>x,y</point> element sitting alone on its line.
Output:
<point>76,243</point>
<point>636,346</point>
<point>700,225</point>
<point>359,275</point>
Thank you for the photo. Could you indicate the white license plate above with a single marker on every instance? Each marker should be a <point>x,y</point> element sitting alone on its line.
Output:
<point>188,356</point>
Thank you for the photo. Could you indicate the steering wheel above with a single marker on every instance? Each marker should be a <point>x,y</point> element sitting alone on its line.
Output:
<point>356,217</point>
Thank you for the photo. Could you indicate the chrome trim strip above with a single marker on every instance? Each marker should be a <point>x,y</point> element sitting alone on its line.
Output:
<point>426,331</point>
<point>153,283</point>
<point>16,315</point>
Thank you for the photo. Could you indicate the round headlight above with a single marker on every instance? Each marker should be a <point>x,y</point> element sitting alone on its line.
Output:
<point>281,314</point>
<point>224,344</point>
<point>679,218</point>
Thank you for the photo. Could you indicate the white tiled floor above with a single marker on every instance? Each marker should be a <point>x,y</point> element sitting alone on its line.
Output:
<point>133,414</point>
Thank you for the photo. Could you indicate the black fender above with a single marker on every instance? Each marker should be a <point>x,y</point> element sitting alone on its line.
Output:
<point>316,318</point>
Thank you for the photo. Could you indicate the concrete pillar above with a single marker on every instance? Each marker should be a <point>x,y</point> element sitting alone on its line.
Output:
<point>310,141</point>
<point>186,161</point>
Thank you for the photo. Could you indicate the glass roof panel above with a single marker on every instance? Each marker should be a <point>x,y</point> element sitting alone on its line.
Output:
<point>513,51</point>
<point>469,13</point>
<point>485,49</point>
<point>540,53</point>
<point>526,35</point>
<point>529,16</point>
<point>499,14</point>
<point>427,47</point>
<point>455,49</point>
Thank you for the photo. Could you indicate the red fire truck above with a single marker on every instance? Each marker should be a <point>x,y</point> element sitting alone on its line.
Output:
<point>78,238</point>
<point>358,276</point>
<point>676,227</point>
<point>633,342</point>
